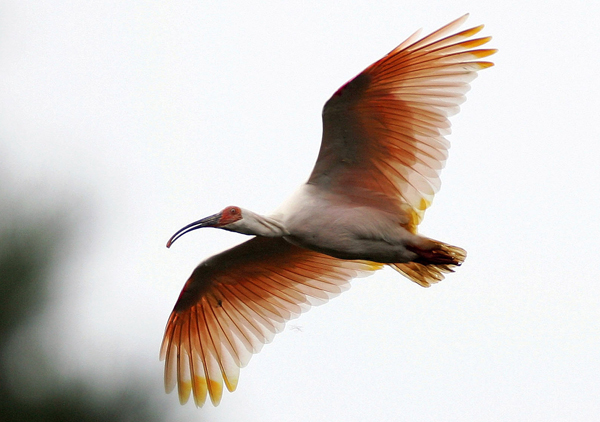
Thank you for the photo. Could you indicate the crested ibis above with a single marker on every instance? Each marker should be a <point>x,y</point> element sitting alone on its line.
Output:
<point>377,171</point>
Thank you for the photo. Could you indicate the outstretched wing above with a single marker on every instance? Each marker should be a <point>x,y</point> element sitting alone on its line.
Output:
<point>235,302</point>
<point>383,132</point>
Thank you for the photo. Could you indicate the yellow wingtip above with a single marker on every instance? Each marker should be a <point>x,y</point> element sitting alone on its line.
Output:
<point>471,31</point>
<point>231,384</point>
<point>183,390</point>
<point>216,391</point>
<point>200,391</point>
<point>485,52</point>
<point>485,65</point>
<point>475,42</point>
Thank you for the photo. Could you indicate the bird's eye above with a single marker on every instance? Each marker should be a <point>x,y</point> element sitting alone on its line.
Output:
<point>232,211</point>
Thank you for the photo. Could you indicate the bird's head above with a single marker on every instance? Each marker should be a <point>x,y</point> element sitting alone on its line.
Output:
<point>220,220</point>
<point>234,219</point>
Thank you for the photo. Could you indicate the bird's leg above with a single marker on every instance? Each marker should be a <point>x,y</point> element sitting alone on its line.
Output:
<point>440,253</point>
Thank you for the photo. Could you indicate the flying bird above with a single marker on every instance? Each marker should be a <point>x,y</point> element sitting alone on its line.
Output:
<point>377,171</point>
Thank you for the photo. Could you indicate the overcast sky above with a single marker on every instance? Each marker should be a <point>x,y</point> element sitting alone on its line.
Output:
<point>139,117</point>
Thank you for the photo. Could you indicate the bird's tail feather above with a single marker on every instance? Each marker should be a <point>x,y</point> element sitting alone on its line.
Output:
<point>432,264</point>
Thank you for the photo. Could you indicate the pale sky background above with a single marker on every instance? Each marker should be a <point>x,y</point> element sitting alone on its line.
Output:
<point>139,117</point>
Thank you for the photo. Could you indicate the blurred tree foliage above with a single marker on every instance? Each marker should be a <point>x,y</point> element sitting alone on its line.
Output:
<point>29,249</point>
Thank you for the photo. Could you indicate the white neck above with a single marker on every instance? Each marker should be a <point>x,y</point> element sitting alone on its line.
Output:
<point>254,224</point>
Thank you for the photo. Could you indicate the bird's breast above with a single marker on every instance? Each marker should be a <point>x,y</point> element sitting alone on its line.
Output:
<point>353,233</point>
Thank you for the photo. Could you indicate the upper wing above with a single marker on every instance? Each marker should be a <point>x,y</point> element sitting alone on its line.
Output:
<point>236,301</point>
<point>383,132</point>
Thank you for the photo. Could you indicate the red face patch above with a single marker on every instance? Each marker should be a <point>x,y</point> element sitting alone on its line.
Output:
<point>230,215</point>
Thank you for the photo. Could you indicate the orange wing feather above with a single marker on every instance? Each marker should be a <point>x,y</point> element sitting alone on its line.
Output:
<point>383,132</point>
<point>235,302</point>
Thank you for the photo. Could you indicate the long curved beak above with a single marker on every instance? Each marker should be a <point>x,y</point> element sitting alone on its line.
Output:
<point>210,221</point>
